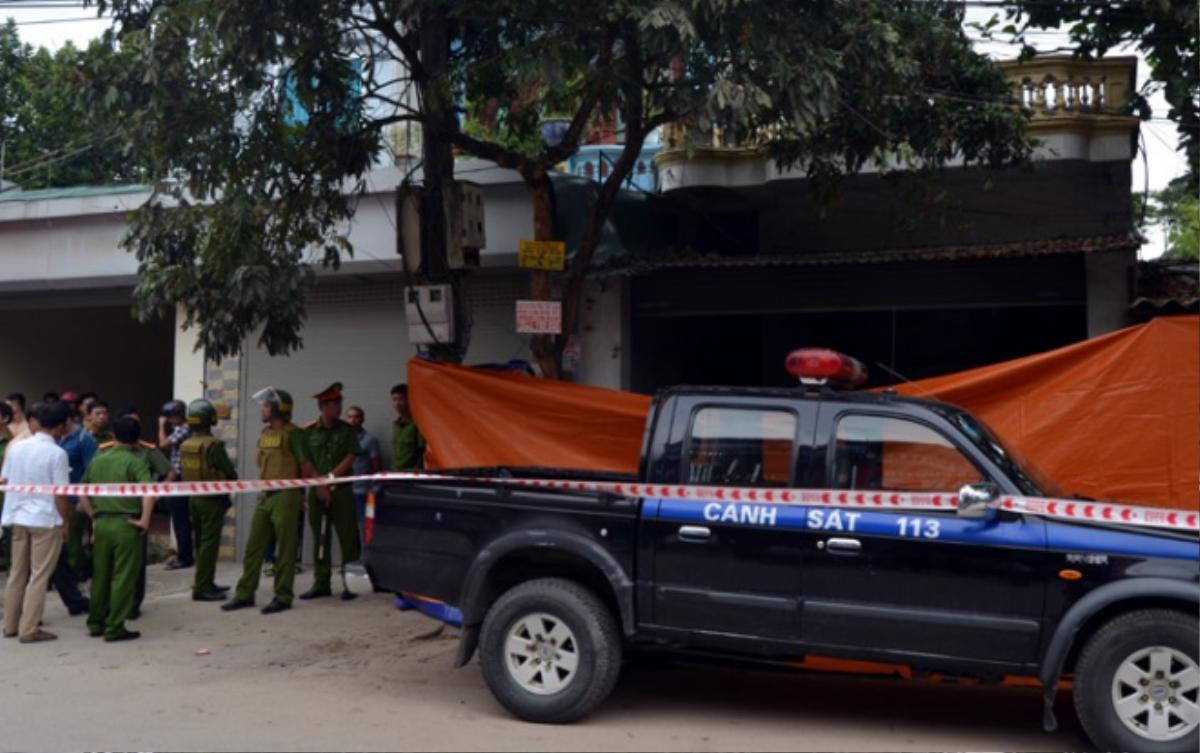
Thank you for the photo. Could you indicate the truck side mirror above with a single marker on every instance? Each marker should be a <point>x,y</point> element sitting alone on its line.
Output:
<point>979,500</point>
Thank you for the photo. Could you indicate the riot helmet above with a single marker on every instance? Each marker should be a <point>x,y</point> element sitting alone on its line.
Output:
<point>201,414</point>
<point>279,400</point>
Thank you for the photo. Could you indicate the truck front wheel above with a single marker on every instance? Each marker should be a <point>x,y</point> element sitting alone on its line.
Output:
<point>550,651</point>
<point>1137,680</point>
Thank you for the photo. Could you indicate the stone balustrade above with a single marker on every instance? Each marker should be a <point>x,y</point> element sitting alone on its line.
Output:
<point>1057,90</point>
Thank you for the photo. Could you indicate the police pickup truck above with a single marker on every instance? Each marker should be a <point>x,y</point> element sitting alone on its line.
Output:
<point>553,585</point>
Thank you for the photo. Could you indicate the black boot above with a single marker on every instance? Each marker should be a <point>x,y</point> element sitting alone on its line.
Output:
<point>208,596</point>
<point>276,606</point>
<point>316,593</point>
<point>128,635</point>
<point>236,603</point>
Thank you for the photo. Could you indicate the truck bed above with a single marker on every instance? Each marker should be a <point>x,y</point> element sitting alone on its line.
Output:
<point>428,534</point>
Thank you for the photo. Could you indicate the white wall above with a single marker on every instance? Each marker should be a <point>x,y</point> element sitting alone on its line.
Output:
<point>356,334</point>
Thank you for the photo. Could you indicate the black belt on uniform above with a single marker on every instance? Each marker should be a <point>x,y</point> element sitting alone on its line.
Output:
<point>116,515</point>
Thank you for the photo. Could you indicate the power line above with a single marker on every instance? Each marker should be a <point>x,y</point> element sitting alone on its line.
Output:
<point>60,20</point>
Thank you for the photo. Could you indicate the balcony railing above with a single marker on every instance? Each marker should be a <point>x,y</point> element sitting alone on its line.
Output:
<point>1060,91</point>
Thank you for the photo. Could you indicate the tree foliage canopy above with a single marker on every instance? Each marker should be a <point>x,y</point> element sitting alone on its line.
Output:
<point>49,139</point>
<point>1177,210</point>
<point>1167,32</point>
<point>262,128</point>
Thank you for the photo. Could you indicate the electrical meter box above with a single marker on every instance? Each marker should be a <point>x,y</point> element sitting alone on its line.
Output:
<point>429,312</point>
<point>465,236</point>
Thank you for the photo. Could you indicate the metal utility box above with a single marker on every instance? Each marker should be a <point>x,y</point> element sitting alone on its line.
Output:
<point>429,312</point>
<point>464,225</point>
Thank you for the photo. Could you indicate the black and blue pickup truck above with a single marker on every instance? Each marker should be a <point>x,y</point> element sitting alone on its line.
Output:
<point>553,586</point>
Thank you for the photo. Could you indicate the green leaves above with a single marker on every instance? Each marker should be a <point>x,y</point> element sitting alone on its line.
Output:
<point>49,139</point>
<point>270,113</point>
<point>1167,32</point>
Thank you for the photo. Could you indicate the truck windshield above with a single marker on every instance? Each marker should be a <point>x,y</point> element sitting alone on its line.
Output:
<point>1027,476</point>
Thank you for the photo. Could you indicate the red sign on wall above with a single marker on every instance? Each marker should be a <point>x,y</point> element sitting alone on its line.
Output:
<point>539,317</point>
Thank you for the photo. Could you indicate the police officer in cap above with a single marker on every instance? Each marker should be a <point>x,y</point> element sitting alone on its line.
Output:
<point>330,445</point>
<point>203,458</point>
<point>119,525</point>
<point>280,454</point>
<point>160,469</point>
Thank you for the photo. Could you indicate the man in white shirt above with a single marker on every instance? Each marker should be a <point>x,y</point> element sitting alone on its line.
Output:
<point>37,522</point>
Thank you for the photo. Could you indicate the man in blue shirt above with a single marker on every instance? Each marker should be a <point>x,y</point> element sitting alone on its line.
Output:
<point>80,447</point>
<point>368,460</point>
<point>79,453</point>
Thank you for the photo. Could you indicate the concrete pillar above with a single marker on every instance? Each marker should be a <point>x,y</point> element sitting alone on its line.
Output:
<point>1109,279</point>
<point>602,334</point>
<point>189,363</point>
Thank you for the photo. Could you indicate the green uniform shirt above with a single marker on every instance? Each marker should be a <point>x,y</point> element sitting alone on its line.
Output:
<point>326,447</point>
<point>154,458</point>
<point>408,446</point>
<point>119,465</point>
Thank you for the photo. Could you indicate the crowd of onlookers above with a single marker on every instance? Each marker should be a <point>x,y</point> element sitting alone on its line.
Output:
<point>60,541</point>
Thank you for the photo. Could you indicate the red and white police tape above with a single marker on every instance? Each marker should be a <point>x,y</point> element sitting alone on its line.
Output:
<point>1061,509</point>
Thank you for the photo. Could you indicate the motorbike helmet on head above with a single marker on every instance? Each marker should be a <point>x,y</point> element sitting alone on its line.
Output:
<point>201,413</point>
<point>174,409</point>
<point>279,400</point>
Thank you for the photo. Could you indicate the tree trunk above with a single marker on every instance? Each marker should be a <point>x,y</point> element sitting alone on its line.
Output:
<point>438,169</point>
<point>546,349</point>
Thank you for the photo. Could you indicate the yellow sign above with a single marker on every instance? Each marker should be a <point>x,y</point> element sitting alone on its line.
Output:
<point>549,255</point>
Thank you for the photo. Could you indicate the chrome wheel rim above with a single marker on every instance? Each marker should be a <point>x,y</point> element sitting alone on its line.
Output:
<point>1154,693</point>
<point>541,654</point>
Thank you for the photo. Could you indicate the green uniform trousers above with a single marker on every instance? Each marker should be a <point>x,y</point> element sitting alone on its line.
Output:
<point>208,518</point>
<point>79,556</point>
<point>274,518</point>
<point>117,559</point>
<point>344,519</point>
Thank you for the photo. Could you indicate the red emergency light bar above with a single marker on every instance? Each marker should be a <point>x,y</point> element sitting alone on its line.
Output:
<point>824,366</point>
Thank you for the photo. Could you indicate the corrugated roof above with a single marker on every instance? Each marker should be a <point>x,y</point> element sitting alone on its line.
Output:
<point>70,192</point>
<point>1158,306</point>
<point>625,265</point>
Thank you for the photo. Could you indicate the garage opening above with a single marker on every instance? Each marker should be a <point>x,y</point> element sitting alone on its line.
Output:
<point>749,350</point>
<point>100,349</point>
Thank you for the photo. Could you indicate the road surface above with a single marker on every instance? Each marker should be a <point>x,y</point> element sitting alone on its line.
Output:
<point>361,675</point>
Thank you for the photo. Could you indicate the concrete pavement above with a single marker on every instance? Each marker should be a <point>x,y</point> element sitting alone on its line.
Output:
<point>329,675</point>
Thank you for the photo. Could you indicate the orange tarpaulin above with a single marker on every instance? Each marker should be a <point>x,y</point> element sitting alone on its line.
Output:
<point>478,417</point>
<point>1116,417</point>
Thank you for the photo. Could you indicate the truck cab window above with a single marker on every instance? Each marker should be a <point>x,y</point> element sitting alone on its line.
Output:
<point>878,452</point>
<point>740,447</point>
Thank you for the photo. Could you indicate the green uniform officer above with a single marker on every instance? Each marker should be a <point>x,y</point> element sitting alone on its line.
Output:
<point>330,445</point>
<point>203,458</point>
<point>118,527</point>
<point>159,466</point>
<point>408,446</point>
<point>280,455</point>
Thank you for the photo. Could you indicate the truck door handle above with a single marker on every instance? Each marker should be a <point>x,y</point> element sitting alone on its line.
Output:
<point>841,546</point>
<point>694,533</point>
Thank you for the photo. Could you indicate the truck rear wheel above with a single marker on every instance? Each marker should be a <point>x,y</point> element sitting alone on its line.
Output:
<point>1137,681</point>
<point>550,651</point>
